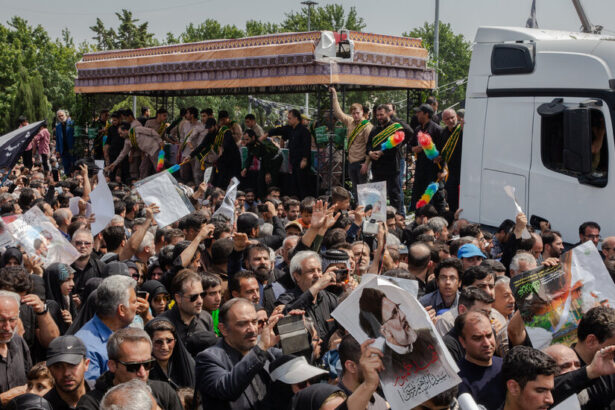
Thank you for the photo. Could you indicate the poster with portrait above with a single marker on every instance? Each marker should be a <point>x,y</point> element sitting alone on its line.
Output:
<point>6,239</point>
<point>38,236</point>
<point>552,300</point>
<point>373,197</point>
<point>417,365</point>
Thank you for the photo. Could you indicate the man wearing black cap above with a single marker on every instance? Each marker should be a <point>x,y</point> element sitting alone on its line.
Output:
<point>67,364</point>
<point>426,170</point>
<point>385,164</point>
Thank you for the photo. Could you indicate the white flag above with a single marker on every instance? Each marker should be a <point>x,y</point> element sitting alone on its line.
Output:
<point>227,208</point>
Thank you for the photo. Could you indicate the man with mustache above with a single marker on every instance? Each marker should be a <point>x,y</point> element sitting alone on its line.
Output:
<point>231,374</point>
<point>67,363</point>
<point>14,353</point>
<point>406,350</point>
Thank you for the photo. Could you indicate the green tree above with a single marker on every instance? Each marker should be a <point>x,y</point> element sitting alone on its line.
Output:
<point>453,60</point>
<point>129,33</point>
<point>105,37</point>
<point>259,28</point>
<point>23,103</point>
<point>210,29</point>
<point>329,17</point>
<point>41,108</point>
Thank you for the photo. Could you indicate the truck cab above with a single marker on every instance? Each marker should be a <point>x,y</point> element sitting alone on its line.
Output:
<point>539,117</point>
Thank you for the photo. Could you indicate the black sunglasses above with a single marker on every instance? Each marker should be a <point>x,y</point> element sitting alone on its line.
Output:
<point>134,367</point>
<point>194,297</point>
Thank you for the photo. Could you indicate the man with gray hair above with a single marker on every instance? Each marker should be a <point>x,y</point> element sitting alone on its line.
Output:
<point>522,262</point>
<point>64,133</point>
<point>115,309</point>
<point>147,248</point>
<point>309,293</point>
<point>86,266</point>
<point>132,395</point>
<point>14,353</point>
<point>130,358</point>
<point>439,226</point>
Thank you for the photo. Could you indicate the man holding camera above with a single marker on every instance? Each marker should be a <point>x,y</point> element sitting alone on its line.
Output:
<point>309,294</point>
<point>231,374</point>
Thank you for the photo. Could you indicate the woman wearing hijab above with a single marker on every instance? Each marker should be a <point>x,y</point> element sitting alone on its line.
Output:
<point>59,287</point>
<point>158,296</point>
<point>12,257</point>
<point>173,362</point>
<point>321,396</point>
<point>88,308</point>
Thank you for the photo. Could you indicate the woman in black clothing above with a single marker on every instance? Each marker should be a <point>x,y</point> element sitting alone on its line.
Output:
<point>59,287</point>
<point>173,362</point>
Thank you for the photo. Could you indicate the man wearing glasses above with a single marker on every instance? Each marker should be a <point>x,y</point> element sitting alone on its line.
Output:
<point>194,326</point>
<point>130,357</point>
<point>589,231</point>
<point>86,267</point>
<point>406,350</point>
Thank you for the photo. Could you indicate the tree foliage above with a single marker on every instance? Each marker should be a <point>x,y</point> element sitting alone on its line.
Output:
<point>329,17</point>
<point>129,33</point>
<point>453,60</point>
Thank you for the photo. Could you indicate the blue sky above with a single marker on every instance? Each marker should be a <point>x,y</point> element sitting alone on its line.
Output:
<point>465,16</point>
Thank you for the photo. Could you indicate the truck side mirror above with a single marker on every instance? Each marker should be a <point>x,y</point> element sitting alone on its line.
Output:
<point>577,155</point>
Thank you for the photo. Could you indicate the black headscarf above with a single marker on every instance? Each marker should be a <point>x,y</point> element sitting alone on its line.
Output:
<point>11,253</point>
<point>28,401</point>
<point>154,288</point>
<point>181,364</point>
<point>88,308</point>
<point>312,397</point>
<point>55,275</point>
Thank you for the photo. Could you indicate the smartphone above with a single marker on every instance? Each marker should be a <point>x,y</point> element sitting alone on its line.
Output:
<point>142,294</point>
<point>341,275</point>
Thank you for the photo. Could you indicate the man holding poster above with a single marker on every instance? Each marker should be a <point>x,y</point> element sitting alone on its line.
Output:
<point>416,364</point>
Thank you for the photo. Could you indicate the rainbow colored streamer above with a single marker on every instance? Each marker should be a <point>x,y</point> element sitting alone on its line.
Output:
<point>429,148</point>
<point>174,168</point>
<point>160,163</point>
<point>427,195</point>
<point>393,141</point>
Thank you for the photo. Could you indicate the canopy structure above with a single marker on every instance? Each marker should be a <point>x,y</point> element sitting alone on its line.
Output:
<point>278,63</point>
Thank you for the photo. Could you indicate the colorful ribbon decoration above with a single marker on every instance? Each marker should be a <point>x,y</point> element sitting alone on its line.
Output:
<point>176,167</point>
<point>427,195</point>
<point>160,163</point>
<point>393,141</point>
<point>429,148</point>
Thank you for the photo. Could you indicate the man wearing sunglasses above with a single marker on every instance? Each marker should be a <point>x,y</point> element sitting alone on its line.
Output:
<point>194,325</point>
<point>85,266</point>
<point>130,357</point>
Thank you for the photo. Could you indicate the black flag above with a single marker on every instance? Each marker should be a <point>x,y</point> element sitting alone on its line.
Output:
<point>15,142</point>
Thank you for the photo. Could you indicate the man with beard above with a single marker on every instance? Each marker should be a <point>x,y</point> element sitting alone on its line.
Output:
<point>270,158</point>
<point>159,123</point>
<point>194,326</point>
<point>552,244</point>
<point>385,164</point>
<point>426,169</point>
<point>67,363</point>
<point>232,374</point>
<point>14,353</point>
<point>86,266</point>
<point>309,293</point>
<point>273,282</point>
<point>452,136</point>
<point>404,347</point>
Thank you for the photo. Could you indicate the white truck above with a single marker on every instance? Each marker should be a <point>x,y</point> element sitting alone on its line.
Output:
<point>540,108</point>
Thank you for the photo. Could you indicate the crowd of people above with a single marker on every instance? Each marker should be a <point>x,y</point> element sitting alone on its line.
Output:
<point>192,315</point>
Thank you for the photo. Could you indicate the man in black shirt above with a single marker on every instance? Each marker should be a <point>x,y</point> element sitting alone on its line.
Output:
<point>67,364</point>
<point>299,151</point>
<point>14,353</point>
<point>453,132</point>
<point>426,170</point>
<point>385,164</point>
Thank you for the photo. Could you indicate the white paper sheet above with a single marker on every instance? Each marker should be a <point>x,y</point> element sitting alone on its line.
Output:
<point>73,205</point>
<point>100,163</point>
<point>102,204</point>
<point>161,191</point>
<point>374,194</point>
<point>227,207</point>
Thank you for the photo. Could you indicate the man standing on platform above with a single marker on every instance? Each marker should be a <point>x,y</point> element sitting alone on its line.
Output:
<point>426,170</point>
<point>358,130</point>
<point>191,133</point>
<point>142,139</point>
<point>385,164</point>
<point>299,152</point>
<point>451,155</point>
<point>65,139</point>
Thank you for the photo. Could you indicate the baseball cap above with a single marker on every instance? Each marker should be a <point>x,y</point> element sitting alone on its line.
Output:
<point>426,108</point>
<point>66,349</point>
<point>291,370</point>
<point>295,224</point>
<point>468,250</point>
